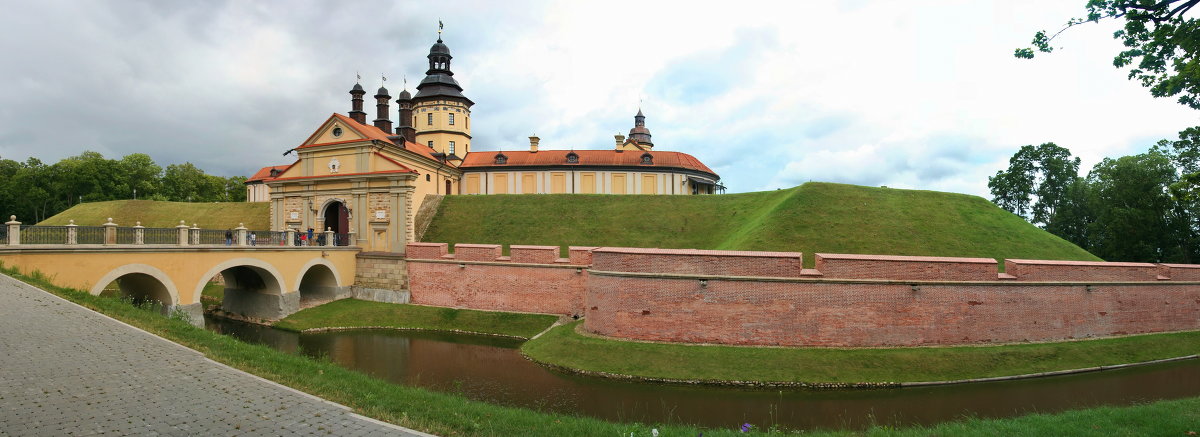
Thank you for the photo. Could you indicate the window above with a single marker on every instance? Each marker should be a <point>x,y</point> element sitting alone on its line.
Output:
<point>452,119</point>
<point>501,159</point>
<point>452,143</point>
<point>647,159</point>
<point>572,158</point>
<point>427,178</point>
<point>430,120</point>
<point>431,144</point>
<point>337,132</point>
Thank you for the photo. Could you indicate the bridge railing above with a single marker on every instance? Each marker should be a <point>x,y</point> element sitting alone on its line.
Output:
<point>14,233</point>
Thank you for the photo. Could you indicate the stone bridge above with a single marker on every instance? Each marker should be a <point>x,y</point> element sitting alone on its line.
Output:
<point>262,282</point>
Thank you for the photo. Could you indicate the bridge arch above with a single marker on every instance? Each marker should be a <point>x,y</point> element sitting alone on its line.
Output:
<point>141,281</point>
<point>318,280</point>
<point>253,288</point>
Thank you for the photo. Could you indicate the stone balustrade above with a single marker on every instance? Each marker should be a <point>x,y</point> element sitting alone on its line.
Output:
<point>14,233</point>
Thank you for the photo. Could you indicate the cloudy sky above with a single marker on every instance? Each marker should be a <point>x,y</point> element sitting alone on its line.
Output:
<point>912,94</point>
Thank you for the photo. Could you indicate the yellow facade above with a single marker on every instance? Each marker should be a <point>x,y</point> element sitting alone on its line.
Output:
<point>439,123</point>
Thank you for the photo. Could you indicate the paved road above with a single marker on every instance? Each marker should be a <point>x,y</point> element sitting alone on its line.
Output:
<point>65,370</point>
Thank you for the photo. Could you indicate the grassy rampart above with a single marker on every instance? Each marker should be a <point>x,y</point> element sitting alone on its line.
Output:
<point>350,313</point>
<point>811,218</point>
<point>156,214</point>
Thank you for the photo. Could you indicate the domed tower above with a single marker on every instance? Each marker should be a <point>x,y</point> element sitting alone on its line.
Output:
<point>405,122</point>
<point>442,113</point>
<point>382,105</point>
<point>356,104</point>
<point>639,132</point>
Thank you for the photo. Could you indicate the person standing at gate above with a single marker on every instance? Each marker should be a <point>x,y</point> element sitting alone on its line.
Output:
<point>228,237</point>
<point>310,235</point>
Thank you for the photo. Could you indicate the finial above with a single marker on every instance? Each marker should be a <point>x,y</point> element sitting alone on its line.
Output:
<point>440,27</point>
<point>358,77</point>
<point>71,222</point>
<point>384,76</point>
<point>404,77</point>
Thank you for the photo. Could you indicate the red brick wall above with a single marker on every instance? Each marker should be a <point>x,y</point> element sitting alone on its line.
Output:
<point>925,268</point>
<point>1079,271</point>
<point>425,250</point>
<point>1046,301</point>
<point>532,289</point>
<point>697,262</point>
<point>845,314</point>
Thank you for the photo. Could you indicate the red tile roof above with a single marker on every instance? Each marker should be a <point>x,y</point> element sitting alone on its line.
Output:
<point>373,133</point>
<point>542,158</point>
<point>264,174</point>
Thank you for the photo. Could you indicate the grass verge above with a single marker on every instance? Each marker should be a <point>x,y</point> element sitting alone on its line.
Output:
<point>351,313</point>
<point>453,415</point>
<point>564,346</point>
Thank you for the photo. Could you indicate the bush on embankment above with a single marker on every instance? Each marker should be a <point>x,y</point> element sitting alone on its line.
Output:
<point>814,217</point>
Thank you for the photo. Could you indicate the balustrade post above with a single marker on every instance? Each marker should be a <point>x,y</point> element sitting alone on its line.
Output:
<point>14,231</point>
<point>183,233</point>
<point>350,238</point>
<point>195,235</point>
<point>110,232</point>
<point>240,234</point>
<point>72,232</point>
<point>291,237</point>
<point>329,236</point>
<point>139,233</point>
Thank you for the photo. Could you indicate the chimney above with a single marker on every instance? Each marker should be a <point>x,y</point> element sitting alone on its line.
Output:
<point>620,140</point>
<point>382,100</point>
<point>356,104</point>
<point>533,143</point>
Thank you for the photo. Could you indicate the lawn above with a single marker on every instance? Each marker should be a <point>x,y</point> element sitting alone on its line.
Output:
<point>156,214</point>
<point>351,313</point>
<point>564,346</point>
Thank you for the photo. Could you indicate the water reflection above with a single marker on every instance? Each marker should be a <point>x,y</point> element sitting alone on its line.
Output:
<point>491,369</point>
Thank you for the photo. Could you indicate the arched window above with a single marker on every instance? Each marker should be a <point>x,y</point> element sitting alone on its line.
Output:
<point>501,159</point>
<point>647,159</point>
<point>572,158</point>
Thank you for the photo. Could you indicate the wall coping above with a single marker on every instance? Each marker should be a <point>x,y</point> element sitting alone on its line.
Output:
<point>1181,266</point>
<point>942,259</point>
<point>555,265</point>
<point>527,246</point>
<point>423,244</point>
<point>474,246</point>
<point>100,248</point>
<point>871,281</point>
<point>655,251</point>
<point>1080,263</point>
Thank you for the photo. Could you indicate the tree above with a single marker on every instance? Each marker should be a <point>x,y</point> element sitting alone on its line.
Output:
<point>1161,44</point>
<point>1044,172</point>
<point>1133,209</point>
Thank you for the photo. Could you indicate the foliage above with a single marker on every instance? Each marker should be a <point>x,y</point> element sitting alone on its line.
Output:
<point>1141,208</point>
<point>33,191</point>
<point>812,218</point>
<point>1044,172</point>
<point>1161,44</point>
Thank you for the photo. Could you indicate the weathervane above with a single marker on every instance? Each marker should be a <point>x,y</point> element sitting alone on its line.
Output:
<point>357,75</point>
<point>440,27</point>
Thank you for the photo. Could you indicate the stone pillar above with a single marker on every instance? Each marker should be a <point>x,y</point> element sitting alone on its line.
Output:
<point>195,234</point>
<point>110,232</point>
<point>139,233</point>
<point>240,234</point>
<point>14,231</point>
<point>329,237</point>
<point>72,232</point>
<point>291,237</point>
<point>350,241</point>
<point>183,233</point>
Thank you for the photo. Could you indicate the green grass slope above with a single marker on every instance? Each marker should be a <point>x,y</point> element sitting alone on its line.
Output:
<point>814,217</point>
<point>155,214</point>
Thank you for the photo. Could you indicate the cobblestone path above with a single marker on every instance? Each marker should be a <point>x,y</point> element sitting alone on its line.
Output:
<point>66,370</point>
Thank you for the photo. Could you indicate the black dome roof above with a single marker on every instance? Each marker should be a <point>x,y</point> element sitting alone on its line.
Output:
<point>439,48</point>
<point>404,95</point>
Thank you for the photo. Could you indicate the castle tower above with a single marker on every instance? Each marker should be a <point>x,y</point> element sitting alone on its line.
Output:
<point>442,113</point>
<point>356,104</point>
<point>382,108</point>
<point>639,132</point>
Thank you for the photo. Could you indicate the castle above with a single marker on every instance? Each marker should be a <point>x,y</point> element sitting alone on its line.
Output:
<point>371,179</point>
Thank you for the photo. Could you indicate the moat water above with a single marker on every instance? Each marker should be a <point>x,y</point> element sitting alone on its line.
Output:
<point>491,369</point>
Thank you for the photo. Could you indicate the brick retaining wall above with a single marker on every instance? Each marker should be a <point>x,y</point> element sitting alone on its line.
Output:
<point>766,298</point>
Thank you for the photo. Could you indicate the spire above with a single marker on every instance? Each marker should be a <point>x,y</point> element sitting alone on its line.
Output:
<point>439,80</point>
<point>640,133</point>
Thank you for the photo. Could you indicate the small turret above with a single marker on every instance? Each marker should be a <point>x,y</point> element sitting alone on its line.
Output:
<point>406,129</point>
<point>382,99</point>
<point>639,132</point>
<point>356,104</point>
